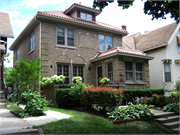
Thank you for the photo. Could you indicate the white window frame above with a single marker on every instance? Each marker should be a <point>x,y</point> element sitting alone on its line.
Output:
<point>63,71</point>
<point>77,71</point>
<point>129,71</point>
<point>31,47</point>
<point>86,16</point>
<point>105,42</point>
<point>111,80</point>
<point>65,36</point>
<point>140,72</point>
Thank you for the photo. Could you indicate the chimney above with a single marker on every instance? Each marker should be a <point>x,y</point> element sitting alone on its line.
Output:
<point>79,3</point>
<point>123,27</point>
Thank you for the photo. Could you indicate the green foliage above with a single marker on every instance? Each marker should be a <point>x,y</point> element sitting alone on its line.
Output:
<point>8,75</point>
<point>34,103</point>
<point>15,108</point>
<point>46,81</point>
<point>101,96</point>
<point>26,72</point>
<point>131,94</point>
<point>71,97</point>
<point>173,107</point>
<point>6,59</point>
<point>51,103</point>
<point>103,81</point>
<point>177,85</point>
<point>158,9</point>
<point>132,111</point>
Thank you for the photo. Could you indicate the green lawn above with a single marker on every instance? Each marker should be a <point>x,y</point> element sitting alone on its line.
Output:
<point>85,123</point>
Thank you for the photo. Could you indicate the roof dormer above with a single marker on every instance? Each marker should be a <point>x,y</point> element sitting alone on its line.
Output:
<point>82,12</point>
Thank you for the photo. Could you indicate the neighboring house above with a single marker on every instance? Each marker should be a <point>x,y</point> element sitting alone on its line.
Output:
<point>5,32</point>
<point>72,43</point>
<point>164,45</point>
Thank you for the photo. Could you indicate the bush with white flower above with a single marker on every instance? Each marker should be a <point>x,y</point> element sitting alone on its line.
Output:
<point>52,80</point>
<point>103,81</point>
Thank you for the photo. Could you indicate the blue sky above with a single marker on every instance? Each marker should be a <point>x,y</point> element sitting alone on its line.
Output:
<point>22,11</point>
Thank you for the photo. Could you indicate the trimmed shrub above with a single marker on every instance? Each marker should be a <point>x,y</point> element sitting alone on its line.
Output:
<point>101,96</point>
<point>130,112</point>
<point>131,94</point>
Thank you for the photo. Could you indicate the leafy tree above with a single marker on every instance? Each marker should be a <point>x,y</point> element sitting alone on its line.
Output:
<point>158,9</point>
<point>8,72</point>
<point>27,73</point>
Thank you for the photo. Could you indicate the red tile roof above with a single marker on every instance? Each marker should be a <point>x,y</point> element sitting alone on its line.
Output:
<point>60,14</point>
<point>123,50</point>
<point>5,25</point>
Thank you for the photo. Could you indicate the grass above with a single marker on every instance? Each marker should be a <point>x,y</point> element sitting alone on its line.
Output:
<point>85,123</point>
<point>15,108</point>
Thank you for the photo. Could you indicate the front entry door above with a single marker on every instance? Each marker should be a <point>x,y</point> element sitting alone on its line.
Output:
<point>99,73</point>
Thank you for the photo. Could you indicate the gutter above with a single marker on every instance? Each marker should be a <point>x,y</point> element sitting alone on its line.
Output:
<point>122,54</point>
<point>154,47</point>
<point>2,35</point>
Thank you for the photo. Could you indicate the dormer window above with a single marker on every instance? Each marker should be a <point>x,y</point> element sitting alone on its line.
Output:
<point>86,16</point>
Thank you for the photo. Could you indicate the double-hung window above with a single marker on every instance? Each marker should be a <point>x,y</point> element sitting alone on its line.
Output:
<point>65,36</point>
<point>32,42</point>
<point>139,72</point>
<point>78,71</point>
<point>167,72</point>
<point>17,55</point>
<point>129,71</point>
<point>65,71</point>
<point>86,16</point>
<point>105,42</point>
<point>110,71</point>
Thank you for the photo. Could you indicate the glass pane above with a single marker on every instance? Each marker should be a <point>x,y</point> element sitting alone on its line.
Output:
<point>101,42</point>
<point>129,76</point>
<point>101,38</point>
<point>33,37</point>
<point>60,40</point>
<point>70,41</point>
<point>70,33</point>
<point>83,15</point>
<point>66,70</point>
<point>166,67</point>
<point>108,42</point>
<point>179,48</point>
<point>101,46</point>
<point>89,17</point>
<point>110,68</point>
<point>167,77</point>
<point>33,45</point>
<point>138,66</point>
<point>60,31</point>
<point>110,76</point>
<point>139,76</point>
<point>66,80</point>
<point>74,70</point>
<point>128,66</point>
<point>59,70</point>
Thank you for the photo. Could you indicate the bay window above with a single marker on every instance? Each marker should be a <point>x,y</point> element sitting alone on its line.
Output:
<point>139,72</point>
<point>167,72</point>
<point>110,71</point>
<point>129,71</point>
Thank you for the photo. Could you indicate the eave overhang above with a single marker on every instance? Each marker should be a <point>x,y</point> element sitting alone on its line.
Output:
<point>8,36</point>
<point>155,47</point>
<point>122,54</point>
<point>77,23</point>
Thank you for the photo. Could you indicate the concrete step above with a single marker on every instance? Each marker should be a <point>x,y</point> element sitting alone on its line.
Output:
<point>164,115</point>
<point>18,130</point>
<point>176,130</point>
<point>2,101</point>
<point>168,119</point>
<point>2,105</point>
<point>172,125</point>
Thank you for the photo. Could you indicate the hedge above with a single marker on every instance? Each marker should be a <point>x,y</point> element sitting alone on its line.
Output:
<point>130,94</point>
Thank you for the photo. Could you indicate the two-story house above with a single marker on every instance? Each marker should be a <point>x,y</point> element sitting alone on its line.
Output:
<point>164,45</point>
<point>73,43</point>
<point>5,32</point>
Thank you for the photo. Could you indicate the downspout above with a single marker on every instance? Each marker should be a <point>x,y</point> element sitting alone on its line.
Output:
<point>39,46</point>
<point>134,43</point>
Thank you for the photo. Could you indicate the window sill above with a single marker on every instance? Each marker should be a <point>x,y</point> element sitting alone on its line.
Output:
<point>135,83</point>
<point>68,47</point>
<point>30,51</point>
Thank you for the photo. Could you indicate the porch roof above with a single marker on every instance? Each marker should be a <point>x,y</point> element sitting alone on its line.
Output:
<point>120,51</point>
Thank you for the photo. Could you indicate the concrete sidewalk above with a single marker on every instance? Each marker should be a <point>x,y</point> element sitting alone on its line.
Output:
<point>9,123</point>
